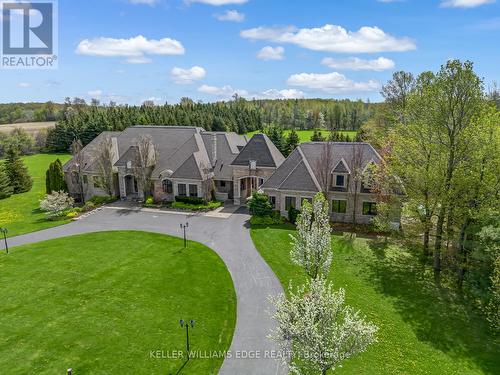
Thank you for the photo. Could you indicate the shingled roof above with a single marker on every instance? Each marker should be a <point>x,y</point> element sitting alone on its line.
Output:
<point>297,173</point>
<point>262,150</point>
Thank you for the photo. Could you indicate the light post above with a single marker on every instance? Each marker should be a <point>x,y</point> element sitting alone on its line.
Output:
<point>184,226</point>
<point>4,231</point>
<point>186,324</point>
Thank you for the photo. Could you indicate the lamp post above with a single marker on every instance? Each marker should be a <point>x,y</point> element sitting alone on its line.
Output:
<point>186,324</point>
<point>4,231</point>
<point>184,226</point>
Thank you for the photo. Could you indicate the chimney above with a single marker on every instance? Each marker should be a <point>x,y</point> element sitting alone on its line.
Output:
<point>214,149</point>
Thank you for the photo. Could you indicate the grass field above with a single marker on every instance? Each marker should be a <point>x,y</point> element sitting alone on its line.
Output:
<point>305,135</point>
<point>422,330</point>
<point>101,302</point>
<point>30,127</point>
<point>20,213</point>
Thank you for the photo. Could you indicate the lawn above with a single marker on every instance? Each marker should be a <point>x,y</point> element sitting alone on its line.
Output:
<point>305,135</point>
<point>422,330</point>
<point>20,213</point>
<point>100,303</point>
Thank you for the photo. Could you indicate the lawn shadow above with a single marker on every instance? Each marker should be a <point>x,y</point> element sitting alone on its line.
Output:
<point>436,315</point>
<point>181,368</point>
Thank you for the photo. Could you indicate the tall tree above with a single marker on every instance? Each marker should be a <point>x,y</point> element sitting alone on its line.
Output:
<point>312,245</point>
<point>145,160</point>
<point>6,189</point>
<point>457,99</point>
<point>54,177</point>
<point>292,141</point>
<point>19,177</point>
<point>79,164</point>
<point>106,157</point>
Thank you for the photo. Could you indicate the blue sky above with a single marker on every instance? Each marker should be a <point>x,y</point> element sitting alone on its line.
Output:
<point>133,50</point>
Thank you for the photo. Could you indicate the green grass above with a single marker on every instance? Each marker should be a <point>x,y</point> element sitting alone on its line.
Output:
<point>305,135</point>
<point>422,329</point>
<point>101,302</point>
<point>20,213</point>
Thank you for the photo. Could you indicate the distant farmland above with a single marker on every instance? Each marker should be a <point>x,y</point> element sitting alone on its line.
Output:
<point>30,127</point>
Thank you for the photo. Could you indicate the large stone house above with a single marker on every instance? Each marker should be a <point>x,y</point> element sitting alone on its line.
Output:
<point>337,168</point>
<point>181,161</point>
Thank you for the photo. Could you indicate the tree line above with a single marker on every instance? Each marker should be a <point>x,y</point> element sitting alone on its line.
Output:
<point>81,121</point>
<point>439,133</point>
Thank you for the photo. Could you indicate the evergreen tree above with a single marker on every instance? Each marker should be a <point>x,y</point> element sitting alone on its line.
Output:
<point>292,141</point>
<point>54,178</point>
<point>5,186</point>
<point>317,136</point>
<point>18,174</point>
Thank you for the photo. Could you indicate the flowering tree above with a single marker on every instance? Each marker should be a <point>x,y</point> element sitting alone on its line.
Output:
<point>56,202</point>
<point>312,247</point>
<point>317,330</point>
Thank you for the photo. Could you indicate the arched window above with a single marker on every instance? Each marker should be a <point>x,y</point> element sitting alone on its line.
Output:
<point>167,186</point>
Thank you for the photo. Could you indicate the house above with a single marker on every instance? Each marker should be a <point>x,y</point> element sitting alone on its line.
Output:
<point>337,168</point>
<point>178,160</point>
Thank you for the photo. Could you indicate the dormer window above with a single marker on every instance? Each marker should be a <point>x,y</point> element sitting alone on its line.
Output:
<point>340,180</point>
<point>129,164</point>
<point>253,165</point>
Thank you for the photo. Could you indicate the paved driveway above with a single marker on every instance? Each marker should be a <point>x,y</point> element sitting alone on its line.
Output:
<point>230,238</point>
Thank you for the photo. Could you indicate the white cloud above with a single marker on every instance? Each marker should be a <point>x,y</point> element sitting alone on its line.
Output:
<point>145,2</point>
<point>332,83</point>
<point>271,53</point>
<point>24,85</point>
<point>187,76</point>
<point>95,94</point>
<point>333,38</point>
<point>354,63</point>
<point>231,16</point>
<point>281,94</point>
<point>134,49</point>
<point>464,3</point>
<point>223,91</point>
<point>227,92</point>
<point>218,2</point>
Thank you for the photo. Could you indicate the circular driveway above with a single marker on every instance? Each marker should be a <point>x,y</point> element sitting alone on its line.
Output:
<point>251,351</point>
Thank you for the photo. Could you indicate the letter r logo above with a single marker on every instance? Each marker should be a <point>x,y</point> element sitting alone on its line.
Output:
<point>27,28</point>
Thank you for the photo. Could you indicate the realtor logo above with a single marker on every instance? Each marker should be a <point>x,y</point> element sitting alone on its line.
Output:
<point>28,34</point>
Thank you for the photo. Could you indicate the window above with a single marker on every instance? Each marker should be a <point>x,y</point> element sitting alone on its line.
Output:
<point>129,164</point>
<point>181,190</point>
<point>272,200</point>
<point>193,190</point>
<point>223,184</point>
<point>242,185</point>
<point>85,179</point>
<point>289,202</point>
<point>369,208</point>
<point>339,206</point>
<point>261,181</point>
<point>167,186</point>
<point>340,180</point>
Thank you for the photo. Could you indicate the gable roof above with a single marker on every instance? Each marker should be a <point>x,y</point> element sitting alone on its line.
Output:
<point>298,171</point>
<point>262,150</point>
<point>182,151</point>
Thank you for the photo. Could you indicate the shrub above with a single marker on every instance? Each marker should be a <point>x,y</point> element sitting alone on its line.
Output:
<point>71,214</point>
<point>197,207</point>
<point>274,219</point>
<point>258,205</point>
<point>56,203</point>
<point>149,201</point>
<point>88,206</point>
<point>292,215</point>
<point>98,200</point>
<point>190,200</point>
